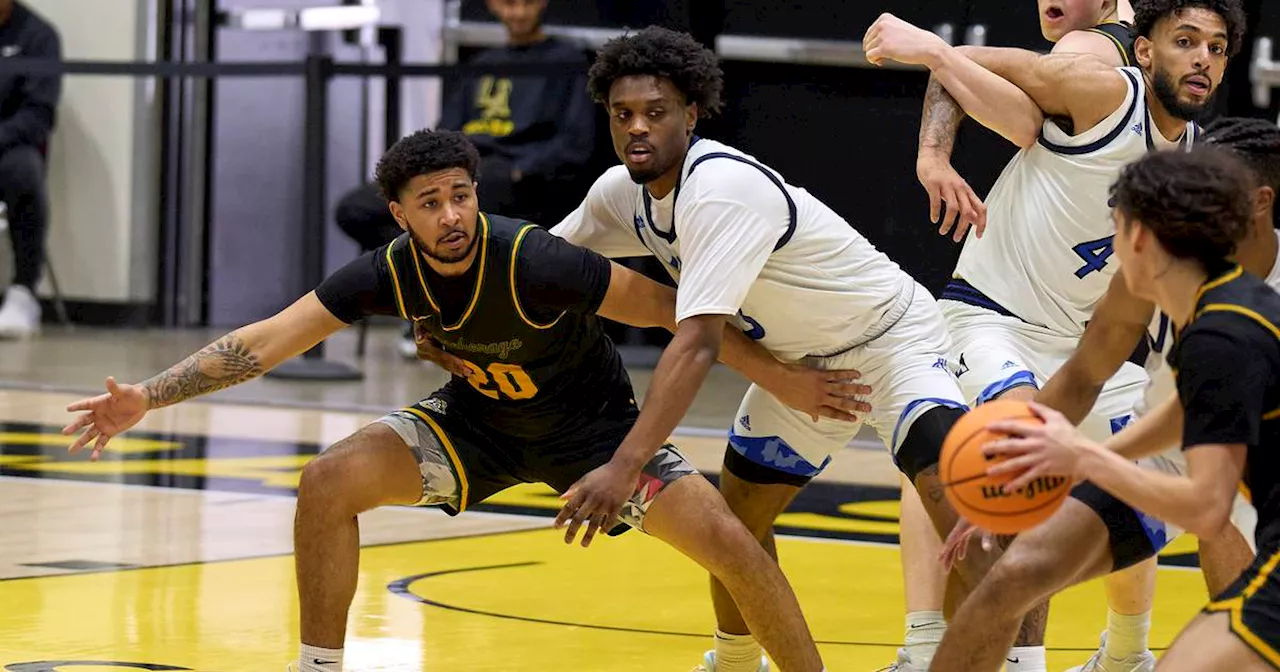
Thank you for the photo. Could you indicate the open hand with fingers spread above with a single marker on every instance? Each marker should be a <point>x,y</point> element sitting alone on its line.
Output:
<point>596,499</point>
<point>1032,450</point>
<point>821,393</point>
<point>106,415</point>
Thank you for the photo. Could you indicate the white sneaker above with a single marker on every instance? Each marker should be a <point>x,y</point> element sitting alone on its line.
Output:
<point>709,663</point>
<point>902,664</point>
<point>1101,662</point>
<point>20,313</point>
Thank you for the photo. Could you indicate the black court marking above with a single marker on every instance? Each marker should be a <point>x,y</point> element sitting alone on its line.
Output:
<point>822,498</point>
<point>401,587</point>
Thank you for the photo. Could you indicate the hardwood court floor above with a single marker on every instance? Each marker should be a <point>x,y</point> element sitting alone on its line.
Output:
<point>173,552</point>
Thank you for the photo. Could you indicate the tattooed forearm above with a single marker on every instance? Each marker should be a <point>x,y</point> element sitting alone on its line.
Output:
<point>223,363</point>
<point>942,119</point>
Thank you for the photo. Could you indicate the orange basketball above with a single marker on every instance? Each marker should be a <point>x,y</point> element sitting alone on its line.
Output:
<point>978,497</point>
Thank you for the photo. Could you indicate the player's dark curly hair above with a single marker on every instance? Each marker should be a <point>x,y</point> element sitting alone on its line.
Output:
<point>1256,141</point>
<point>1147,13</point>
<point>691,67</point>
<point>421,153</point>
<point>1198,203</point>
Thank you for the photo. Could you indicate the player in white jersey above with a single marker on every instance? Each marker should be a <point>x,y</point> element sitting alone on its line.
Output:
<point>743,245</point>
<point>1079,543</point>
<point>1104,30</point>
<point>1026,285</point>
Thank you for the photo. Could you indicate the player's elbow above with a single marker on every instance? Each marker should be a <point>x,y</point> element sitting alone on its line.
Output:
<point>1210,524</point>
<point>1211,517</point>
<point>701,336</point>
<point>1028,134</point>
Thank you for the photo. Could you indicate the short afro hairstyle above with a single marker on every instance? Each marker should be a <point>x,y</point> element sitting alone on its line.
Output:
<point>692,68</point>
<point>1199,204</point>
<point>1147,13</point>
<point>422,153</point>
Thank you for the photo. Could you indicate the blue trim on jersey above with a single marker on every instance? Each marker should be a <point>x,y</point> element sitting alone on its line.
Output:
<point>1023,377</point>
<point>902,417</point>
<point>791,204</point>
<point>773,452</point>
<point>959,290</point>
<point>669,236</point>
<point>1185,143</point>
<point>1109,137</point>
<point>1157,345</point>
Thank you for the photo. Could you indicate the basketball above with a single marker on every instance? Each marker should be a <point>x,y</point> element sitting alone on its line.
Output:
<point>979,497</point>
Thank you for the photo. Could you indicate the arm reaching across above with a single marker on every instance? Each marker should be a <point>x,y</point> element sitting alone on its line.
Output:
<point>243,354</point>
<point>360,288</point>
<point>1013,115</point>
<point>1080,87</point>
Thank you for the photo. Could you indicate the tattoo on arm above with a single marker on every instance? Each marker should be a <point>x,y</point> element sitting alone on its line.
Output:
<point>942,118</point>
<point>225,362</point>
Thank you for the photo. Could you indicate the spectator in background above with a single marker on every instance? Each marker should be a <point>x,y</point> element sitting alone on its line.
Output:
<point>27,105</point>
<point>535,134</point>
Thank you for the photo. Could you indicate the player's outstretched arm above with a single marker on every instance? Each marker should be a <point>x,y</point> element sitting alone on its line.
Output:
<point>1199,503</point>
<point>638,301</point>
<point>241,355</point>
<point>1118,325</point>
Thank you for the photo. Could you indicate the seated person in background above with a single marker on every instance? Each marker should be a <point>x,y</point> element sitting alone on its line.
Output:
<point>27,105</point>
<point>535,134</point>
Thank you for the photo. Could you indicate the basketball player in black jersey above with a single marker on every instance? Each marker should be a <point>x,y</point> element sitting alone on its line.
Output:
<point>542,395</point>
<point>1179,218</point>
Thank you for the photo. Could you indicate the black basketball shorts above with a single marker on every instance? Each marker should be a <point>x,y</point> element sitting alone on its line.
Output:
<point>463,462</point>
<point>1253,601</point>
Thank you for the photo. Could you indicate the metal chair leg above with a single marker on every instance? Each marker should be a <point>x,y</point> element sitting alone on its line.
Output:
<point>59,305</point>
<point>363,337</point>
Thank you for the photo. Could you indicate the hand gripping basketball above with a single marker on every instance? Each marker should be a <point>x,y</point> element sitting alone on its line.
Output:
<point>993,467</point>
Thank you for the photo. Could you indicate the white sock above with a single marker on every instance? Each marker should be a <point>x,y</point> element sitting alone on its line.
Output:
<point>924,633</point>
<point>736,653</point>
<point>316,659</point>
<point>1025,659</point>
<point>1127,635</point>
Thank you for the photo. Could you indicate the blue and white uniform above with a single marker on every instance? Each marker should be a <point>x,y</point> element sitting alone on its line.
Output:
<point>739,241</point>
<point>1022,294</point>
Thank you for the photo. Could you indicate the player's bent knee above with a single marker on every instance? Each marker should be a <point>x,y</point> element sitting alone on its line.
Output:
<point>359,472</point>
<point>1018,581</point>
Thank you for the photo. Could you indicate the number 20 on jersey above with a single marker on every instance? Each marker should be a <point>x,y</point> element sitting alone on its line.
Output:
<point>501,381</point>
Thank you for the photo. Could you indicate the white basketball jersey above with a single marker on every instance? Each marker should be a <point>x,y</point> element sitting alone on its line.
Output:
<point>1045,254</point>
<point>1160,339</point>
<point>807,283</point>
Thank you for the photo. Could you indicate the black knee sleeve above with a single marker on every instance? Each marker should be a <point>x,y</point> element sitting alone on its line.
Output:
<point>922,447</point>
